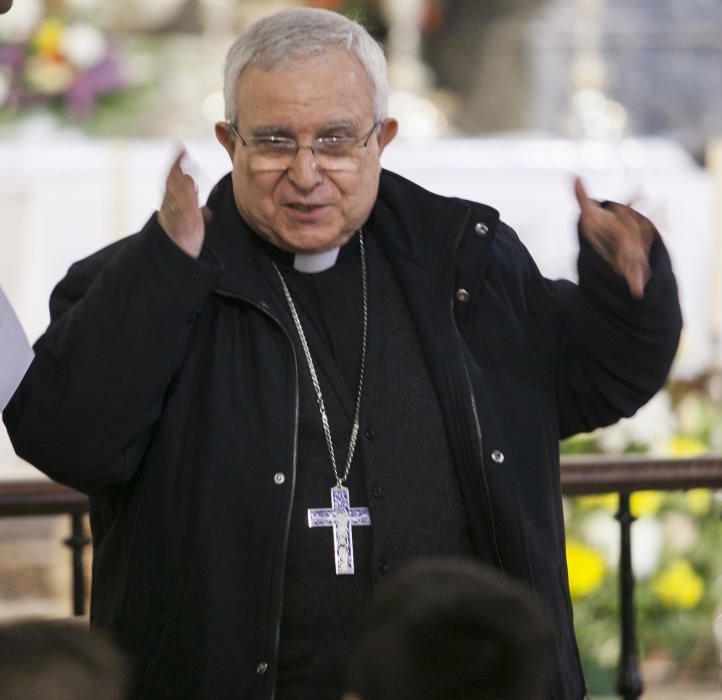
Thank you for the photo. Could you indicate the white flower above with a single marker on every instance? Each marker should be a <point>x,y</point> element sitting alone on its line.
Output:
<point>18,25</point>
<point>601,531</point>
<point>647,539</point>
<point>681,532</point>
<point>83,45</point>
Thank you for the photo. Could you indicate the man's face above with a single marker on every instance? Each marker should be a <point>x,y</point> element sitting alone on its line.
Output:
<point>304,207</point>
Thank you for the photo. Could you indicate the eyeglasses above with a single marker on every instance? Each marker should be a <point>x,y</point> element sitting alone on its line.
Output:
<point>332,153</point>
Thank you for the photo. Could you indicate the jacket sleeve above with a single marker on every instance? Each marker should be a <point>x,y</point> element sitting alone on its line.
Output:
<point>615,351</point>
<point>120,321</point>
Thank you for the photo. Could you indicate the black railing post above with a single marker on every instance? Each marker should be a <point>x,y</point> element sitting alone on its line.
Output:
<point>77,542</point>
<point>629,679</point>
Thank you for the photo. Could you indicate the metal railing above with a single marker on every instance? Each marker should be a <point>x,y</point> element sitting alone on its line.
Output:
<point>580,476</point>
<point>35,497</point>
<point>625,475</point>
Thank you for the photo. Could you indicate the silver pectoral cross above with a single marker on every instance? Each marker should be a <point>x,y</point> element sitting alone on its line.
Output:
<point>341,517</point>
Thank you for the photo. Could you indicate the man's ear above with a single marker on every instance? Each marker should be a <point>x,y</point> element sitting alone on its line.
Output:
<point>225,138</point>
<point>387,132</point>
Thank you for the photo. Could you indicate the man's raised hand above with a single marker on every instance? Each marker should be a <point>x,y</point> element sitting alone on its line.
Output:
<point>620,235</point>
<point>180,216</point>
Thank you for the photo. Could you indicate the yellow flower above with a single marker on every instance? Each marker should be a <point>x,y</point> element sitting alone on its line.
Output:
<point>586,569</point>
<point>48,38</point>
<point>680,446</point>
<point>608,501</point>
<point>678,586</point>
<point>699,501</point>
<point>645,502</point>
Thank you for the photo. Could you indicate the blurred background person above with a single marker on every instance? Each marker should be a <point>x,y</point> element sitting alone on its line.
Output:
<point>58,659</point>
<point>452,629</point>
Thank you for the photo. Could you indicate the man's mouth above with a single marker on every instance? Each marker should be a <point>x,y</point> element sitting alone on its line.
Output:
<point>306,208</point>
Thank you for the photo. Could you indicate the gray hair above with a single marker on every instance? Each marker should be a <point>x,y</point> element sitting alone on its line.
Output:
<point>280,39</point>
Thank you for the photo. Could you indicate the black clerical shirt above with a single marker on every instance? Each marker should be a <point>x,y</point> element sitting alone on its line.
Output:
<point>331,301</point>
<point>322,611</point>
<point>401,471</point>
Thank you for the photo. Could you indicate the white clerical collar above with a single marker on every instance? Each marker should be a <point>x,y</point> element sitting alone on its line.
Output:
<point>315,262</point>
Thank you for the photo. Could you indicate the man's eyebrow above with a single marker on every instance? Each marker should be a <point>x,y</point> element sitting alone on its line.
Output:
<point>341,125</point>
<point>272,130</point>
<point>346,125</point>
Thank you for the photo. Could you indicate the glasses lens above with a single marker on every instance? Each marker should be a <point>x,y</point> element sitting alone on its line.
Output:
<point>276,162</point>
<point>338,163</point>
<point>260,162</point>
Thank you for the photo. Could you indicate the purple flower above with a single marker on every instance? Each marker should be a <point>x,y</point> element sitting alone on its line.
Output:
<point>88,85</point>
<point>12,55</point>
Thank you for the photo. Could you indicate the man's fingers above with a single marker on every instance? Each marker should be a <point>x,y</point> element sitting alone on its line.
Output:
<point>631,261</point>
<point>594,220</point>
<point>177,163</point>
<point>637,275</point>
<point>180,215</point>
<point>620,235</point>
<point>586,205</point>
<point>181,189</point>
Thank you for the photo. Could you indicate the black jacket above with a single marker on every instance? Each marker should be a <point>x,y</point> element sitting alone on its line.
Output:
<point>166,388</point>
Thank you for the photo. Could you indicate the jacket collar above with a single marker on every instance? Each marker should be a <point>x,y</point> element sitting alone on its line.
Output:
<point>413,224</point>
<point>424,227</point>
<point>244,269</point>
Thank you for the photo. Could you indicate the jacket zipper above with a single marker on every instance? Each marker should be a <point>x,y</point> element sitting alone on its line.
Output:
<point>477,425</point>
<point>277,627</point>
<point>472,398</point>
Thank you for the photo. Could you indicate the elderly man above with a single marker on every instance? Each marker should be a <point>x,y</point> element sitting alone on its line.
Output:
<point>276,399</point>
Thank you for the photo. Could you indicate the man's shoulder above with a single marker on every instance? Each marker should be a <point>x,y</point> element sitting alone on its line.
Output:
<point>100,258</point>
<point>81,275</point>
<point>421,210</point>
<point>401,191</point>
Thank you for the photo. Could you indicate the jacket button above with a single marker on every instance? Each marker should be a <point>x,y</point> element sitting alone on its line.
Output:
<point>462,295</point>
<point>279,478</point>
<point>377,492</point>
<point>497,456</point>
<point>481,228</point>
<point>383,566</point>
<point>262,668</point>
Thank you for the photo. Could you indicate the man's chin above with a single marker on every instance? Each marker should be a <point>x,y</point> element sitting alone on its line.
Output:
<point>308,243</point>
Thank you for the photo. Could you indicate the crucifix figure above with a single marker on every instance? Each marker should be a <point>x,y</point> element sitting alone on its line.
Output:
<point>341,517</point>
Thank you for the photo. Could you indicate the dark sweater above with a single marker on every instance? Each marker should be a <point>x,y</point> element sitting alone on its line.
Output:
<point>401,458</point>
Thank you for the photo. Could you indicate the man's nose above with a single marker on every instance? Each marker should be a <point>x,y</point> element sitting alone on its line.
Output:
<point>303,171</point>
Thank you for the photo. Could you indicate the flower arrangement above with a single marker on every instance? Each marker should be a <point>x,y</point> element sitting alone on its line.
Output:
<point>676,548</point>
<point>61,65</point>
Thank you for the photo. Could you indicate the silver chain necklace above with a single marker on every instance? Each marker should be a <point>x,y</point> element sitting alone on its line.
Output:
<point>340,478</point>
<point>341,516</point>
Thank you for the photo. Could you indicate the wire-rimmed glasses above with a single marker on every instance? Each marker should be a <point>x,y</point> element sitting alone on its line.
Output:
<point>335,152</point>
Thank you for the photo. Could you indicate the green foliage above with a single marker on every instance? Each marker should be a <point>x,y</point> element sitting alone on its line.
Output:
<point>677,550</point>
